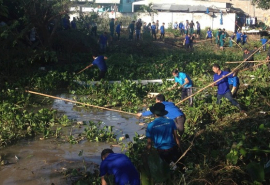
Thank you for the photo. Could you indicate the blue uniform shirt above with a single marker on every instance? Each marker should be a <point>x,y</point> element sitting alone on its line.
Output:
<point>103,39</point>
<point>233,81</point>
<point>160,131</point>
<point>162,29</point>
<point>121,167</point>
<point>181,26</point>
<point>173,111</point>
<point>263,41</point>
<point>223,85</point>
<point>181,79</point>
<point>100,63</point>
<point>153,27</point>
<point>244,38</point>
<point>118,28</point>
<point>187,39</point>
<point>209,34</point>
<point>238,35</point>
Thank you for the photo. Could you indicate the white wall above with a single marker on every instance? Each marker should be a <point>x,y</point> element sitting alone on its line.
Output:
<point>205,20</point>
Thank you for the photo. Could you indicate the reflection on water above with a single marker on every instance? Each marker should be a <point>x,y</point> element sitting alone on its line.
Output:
<point>40,162</point>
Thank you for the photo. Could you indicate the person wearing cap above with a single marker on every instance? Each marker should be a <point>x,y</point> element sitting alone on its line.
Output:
<point>162,133</point>
<point>120,166</point>
<point>174,113</point>
<point>223,86</point>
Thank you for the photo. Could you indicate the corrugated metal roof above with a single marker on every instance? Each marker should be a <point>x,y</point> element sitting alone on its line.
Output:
<point>198,8</point>
<point>107,1</point>
<point>183,8</point>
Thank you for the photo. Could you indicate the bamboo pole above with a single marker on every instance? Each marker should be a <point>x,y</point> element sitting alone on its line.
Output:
<point>85,104</point>
<point>263,62</point>
<point>237,62</point>
<point>237,44</point>
<point>213,83</point>
<point>83,69</point>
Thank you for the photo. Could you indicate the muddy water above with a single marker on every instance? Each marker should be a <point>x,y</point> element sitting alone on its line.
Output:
<point>44,161</point>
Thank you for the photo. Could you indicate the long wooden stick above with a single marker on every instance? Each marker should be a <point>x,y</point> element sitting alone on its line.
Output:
<point>211,84</point>
<point>85,104</point>
<point>83,69</point>
<point>237,44</point>
<point>263,62</point>
<point>237,62</point>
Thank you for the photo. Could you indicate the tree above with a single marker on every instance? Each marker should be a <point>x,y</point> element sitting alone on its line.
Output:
<point>263,4</point>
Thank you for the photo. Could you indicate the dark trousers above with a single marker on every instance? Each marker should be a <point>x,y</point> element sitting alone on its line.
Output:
<point>209,38</point>
<point>238,40</point>
<point>179,122</point>
<point>170,155</point>
<point>162,35</point>
<point>154,34</point>
<point>118,35</point>
<point>101,75</point>
<point>131,35</point>
<point>228,95</point>
<point>185,93</point>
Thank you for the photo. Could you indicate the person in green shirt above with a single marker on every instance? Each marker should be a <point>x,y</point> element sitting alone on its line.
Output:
<point>217,37</point>
<point>131,28</point>
<point>221,40</point>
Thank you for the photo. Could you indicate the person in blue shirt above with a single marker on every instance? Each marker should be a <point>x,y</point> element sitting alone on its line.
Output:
<point>118,30</point>
<point>99,61</point>
<point>238,36</point>
<point>244,38</point>
<point>131,28</point>
<point>162,133</point>
<point>162,31</point>
<point>181,28</point>
<point>223,86</point>
<point>187,41</point>
<point>103,39</point>
<point>153,28</point>
<point>73,23</point>
<point>174,113</point>
<point>185,84</point>
<point>264,40</point>
<point>198,29</point>
<point>209,34</point>
<point>120,166</point>
<point>233,82</point>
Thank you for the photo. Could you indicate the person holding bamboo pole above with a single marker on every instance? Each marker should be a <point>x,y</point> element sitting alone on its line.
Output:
<point>233,82</point>
<point>223,86</point>
<point>248,56</point>
<point>174,113</point>
<point>99,61</point>
<point>185,84</point>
